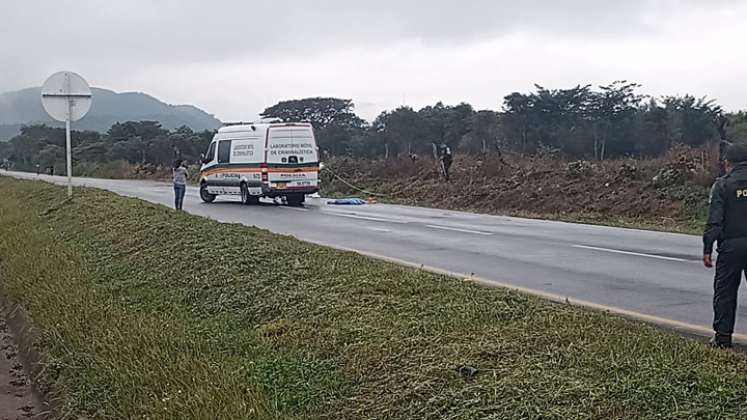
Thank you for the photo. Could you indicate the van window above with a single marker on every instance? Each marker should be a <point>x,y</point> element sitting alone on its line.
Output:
<point>224,151</point>
<point>210,154</point>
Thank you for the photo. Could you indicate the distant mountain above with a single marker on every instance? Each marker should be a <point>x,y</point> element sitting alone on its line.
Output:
<point>24,107</point>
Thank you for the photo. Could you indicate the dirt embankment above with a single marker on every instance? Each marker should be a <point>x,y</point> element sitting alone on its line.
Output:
<point>670,193</point>
<point>17,400</point>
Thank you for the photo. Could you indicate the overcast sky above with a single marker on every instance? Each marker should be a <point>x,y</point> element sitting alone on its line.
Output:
<point>234,58</point>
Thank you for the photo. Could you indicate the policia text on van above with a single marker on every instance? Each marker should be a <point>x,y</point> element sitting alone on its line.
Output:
<point>261,160</point>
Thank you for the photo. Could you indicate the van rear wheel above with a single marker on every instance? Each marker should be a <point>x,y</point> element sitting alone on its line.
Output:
<point>295,200</point>
<point>205,195</point>
<point>247,198</point>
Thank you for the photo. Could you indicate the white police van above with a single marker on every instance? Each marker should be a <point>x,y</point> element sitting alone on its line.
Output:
<point>261,160</point>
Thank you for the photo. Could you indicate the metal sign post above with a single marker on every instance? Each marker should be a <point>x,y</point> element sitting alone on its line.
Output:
<point>69,158</point>
<point>66,97</point>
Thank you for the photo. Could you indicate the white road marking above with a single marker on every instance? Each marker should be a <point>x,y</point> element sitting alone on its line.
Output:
<point>474,232</point>
<point>379,229</point>
<point>294,208</point>
<point>637,254</point>
<point>372,219</point>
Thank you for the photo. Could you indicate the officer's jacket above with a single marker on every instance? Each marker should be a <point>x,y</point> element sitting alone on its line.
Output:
<point>727,218</point>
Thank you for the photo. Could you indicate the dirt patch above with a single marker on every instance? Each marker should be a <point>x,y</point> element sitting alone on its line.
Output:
<point>17,401</point>
<point>24,389</point>
<point>673,188</point>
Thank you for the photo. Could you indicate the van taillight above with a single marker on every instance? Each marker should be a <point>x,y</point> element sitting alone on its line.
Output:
<point>263,168</point>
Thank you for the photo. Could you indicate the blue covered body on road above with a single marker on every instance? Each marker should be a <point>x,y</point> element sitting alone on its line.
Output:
<point>347,202</point>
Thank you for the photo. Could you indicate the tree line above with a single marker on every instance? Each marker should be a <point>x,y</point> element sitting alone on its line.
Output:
<point>582,122</point>
<point>136,142</point>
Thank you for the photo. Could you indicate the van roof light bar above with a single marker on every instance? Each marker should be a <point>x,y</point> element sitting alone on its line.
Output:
<point>232,123</point>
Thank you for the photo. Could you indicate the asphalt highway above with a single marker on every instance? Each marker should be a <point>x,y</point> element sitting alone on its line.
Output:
<point>654,276</point>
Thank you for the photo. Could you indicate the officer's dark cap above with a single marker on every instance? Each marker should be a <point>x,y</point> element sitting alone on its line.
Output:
<point>737,153</point>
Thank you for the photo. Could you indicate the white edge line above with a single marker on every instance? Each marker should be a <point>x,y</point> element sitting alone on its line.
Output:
<point>637,254</point>
<point>474,232</point>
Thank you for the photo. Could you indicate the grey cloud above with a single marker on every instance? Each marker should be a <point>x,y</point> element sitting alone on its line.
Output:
<point>153,39</point>
<point>191,31</point>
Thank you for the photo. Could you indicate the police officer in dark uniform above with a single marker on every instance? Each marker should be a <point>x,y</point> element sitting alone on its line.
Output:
<point>727,224</point>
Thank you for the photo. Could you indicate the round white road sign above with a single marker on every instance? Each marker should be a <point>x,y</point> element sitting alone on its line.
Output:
<point>66,96</point>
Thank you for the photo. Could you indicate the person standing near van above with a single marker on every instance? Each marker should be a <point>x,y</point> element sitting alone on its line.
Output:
<point>180,184</point>
<point>727,224</point>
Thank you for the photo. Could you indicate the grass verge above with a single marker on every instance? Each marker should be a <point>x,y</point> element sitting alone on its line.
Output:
<point>148,313</point>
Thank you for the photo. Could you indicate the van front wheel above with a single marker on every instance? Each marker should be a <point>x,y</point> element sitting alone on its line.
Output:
<point>205,195</point>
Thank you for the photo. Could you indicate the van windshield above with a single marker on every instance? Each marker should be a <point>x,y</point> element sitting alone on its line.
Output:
<point>210,154</point>
<point>291,145</point>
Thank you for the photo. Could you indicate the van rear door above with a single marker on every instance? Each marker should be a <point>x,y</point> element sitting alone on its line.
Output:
<point>292,158</point>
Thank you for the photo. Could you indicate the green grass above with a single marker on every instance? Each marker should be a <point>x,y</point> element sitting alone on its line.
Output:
<point>148,313</point>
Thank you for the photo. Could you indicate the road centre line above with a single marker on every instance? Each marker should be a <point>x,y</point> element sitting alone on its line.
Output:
<point>474,232</point>
<point>375,229</point>
<point>637,254</point>
<point>372,219</point>
<point>294,208</point>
